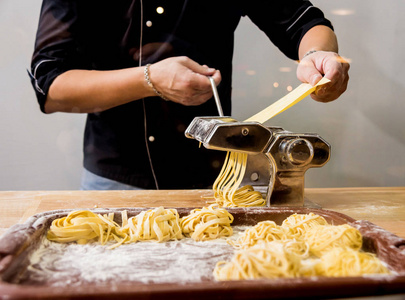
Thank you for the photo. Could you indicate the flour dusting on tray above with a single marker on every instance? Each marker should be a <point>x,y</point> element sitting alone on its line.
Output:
<point>72,264</point>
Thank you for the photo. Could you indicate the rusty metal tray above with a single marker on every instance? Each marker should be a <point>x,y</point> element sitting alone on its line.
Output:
<point>20,273</point>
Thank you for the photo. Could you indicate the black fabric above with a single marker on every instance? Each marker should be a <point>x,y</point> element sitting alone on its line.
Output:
<point>104,35</point>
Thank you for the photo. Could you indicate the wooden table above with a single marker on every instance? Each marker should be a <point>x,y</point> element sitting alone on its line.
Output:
<point>382,206</point>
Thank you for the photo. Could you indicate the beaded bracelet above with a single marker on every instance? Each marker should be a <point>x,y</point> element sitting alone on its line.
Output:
<point>147,78</point>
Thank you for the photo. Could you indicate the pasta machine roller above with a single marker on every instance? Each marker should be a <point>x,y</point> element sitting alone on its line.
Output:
<point>277,159</point>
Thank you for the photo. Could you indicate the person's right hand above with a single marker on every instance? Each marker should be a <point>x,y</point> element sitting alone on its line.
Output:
<point>183,80</point>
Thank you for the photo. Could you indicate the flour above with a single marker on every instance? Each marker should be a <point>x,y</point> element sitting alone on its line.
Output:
<point>143,262</point>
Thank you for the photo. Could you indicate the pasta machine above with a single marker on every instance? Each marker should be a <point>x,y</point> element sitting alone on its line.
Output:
<point>277,159</point>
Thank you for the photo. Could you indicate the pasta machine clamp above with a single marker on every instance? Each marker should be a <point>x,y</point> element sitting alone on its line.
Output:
<point>277,159</point>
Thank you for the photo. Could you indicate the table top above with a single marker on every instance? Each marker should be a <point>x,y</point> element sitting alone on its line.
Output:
<point>383,206</point>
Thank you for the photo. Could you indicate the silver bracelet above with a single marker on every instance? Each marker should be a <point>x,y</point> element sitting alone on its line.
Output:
<point>147,78</point>
<point>309,52</point>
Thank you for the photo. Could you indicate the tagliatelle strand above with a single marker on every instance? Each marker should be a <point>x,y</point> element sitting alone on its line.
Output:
<point>345,261</point>
<point>322,239</point>
<point>83,226</point>
<point>207,223</point>
<point>304,245</point>
<point>226,187</point>
<point>267,260</point>
<point>157,224</point>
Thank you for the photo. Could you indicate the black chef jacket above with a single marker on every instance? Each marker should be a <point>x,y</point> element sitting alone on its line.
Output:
<point>104,35</point>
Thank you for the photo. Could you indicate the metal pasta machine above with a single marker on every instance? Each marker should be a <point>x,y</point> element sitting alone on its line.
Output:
<point>277,159</point>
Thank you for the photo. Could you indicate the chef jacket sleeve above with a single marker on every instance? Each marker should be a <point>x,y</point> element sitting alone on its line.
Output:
<point>285,22</point>
<point>56,47</point>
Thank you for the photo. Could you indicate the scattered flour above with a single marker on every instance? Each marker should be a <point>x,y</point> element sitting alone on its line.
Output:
<point>143,262</point>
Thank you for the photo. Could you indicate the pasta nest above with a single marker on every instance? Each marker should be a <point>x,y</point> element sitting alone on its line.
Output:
<point>349,262</point>
<point>322,239</point>
<point>207,223</point>
<point>83,226</point>
<point>266,260</point>
<point>298,224</point>
<point>155,224</point>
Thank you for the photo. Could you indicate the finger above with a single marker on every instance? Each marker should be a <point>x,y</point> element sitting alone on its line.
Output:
<point>197,99</point>
<point>202,95</point>
<point>336,68</point>
<point>207,71</point>
<point>308,73</point>
<point>329,93</point>
<point>197,68</point>
<point>217,77</point>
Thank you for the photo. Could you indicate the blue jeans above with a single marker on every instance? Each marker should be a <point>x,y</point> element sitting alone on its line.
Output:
<point>91,181</point>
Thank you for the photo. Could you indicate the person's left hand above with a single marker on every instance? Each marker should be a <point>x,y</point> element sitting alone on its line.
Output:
<point>314,66</point>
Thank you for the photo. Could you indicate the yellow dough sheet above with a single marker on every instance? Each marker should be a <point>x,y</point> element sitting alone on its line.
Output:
<point>286,102</point>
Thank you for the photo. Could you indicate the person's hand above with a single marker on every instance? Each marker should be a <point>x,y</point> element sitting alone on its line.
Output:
<point>183,80</point>
<point>314,66</point>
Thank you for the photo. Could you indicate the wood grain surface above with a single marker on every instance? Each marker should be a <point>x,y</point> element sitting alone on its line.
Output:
<point>384,207</point>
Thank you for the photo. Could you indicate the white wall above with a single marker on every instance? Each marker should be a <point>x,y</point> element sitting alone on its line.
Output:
<point>37,151</point>
<point>366,126</point>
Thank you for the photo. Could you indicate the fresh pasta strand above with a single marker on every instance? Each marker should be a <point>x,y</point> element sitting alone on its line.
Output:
<point>267,260</point>
<point>324,238</point>
<point>266,231</point>
<point>266,250</point>
<point>207,223</point>
<point>155,224</point>
<point>226,187</point>
<point>349,262</point>
<point>83,226</point>
<point>299,223</point>
<point>292,228</point>
<point>311,246</point>
<point>158,224</point>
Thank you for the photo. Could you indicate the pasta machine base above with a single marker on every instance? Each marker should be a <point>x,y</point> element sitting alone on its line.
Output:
<point>277,159</point>
<point>21,241</point>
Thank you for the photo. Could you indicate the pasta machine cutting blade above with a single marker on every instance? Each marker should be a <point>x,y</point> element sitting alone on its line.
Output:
<point>277,159</point>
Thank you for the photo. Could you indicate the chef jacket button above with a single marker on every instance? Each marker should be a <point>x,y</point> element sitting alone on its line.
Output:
<point>151,138</point>
<point>149,23</point>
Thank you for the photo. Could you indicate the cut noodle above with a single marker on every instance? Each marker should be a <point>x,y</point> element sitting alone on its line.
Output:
<point>349,262</point>
<point>207,223</point>
<point>268,260</point>
<point>83,226</point>
<point>226,187</point>
<point>322,239</point>
<point>304,245</point>
<point>155,224</point>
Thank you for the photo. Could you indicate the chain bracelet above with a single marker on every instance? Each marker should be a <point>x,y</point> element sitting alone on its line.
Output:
<point>147,78</point>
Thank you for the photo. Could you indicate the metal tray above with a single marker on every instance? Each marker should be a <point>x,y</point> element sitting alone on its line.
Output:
<point>20,243</point>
